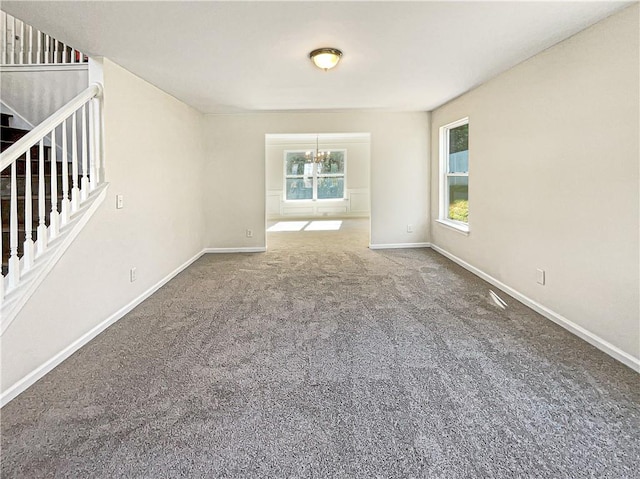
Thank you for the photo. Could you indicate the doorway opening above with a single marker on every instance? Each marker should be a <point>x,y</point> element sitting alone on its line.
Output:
<point>317,188</point>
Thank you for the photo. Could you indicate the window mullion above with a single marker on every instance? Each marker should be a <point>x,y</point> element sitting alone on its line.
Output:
<point>315,181</point>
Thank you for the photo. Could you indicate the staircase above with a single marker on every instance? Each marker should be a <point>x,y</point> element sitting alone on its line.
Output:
<point>51,177</point>
<point>51,182</point>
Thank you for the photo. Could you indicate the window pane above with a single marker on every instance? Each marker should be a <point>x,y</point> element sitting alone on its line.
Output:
<point>458,187</point>
<point>296,162</point>
<point>330,188</point>
<point>333,162</point>
<point>299,189</point>
<point>459,149</point>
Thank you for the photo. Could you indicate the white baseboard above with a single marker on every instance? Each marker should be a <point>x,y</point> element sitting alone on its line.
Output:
<point>28,380</point>
<point>399,245</point>
<point>588,336</point>
<point>248,249</point>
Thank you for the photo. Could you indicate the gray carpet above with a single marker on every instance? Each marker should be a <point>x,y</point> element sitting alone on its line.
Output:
<point>322,358</point>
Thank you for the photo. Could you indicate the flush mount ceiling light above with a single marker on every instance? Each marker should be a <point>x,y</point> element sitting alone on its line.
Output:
<point>325,58</point>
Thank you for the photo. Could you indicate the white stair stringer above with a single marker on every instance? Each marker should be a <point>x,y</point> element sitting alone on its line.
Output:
<point>16,298</point>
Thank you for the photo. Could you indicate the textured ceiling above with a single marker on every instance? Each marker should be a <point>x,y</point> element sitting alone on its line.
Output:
<point>243,56</point>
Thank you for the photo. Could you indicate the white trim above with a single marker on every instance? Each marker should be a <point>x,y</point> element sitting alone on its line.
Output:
<point>43,67</point>
<point>248,249</point>
<point>28,380</point>
<point>312,201</point>
<point>457,227</point>
<point>588,336</point>
<point>399,245</point>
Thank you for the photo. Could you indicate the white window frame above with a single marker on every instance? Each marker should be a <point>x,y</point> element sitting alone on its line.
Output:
<point>444,175</point>
<point>315,177</point>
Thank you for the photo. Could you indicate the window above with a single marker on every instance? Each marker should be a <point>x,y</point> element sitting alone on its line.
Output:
<point>306,179</point>
<point>454,174</point>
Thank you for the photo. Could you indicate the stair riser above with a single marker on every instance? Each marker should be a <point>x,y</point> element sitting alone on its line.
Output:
<point>11,134</point>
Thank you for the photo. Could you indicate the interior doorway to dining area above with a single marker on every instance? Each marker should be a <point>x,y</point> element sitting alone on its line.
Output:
<point>317,189</point>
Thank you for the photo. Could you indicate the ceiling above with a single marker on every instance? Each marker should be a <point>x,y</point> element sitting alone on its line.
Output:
<point>223,57</point>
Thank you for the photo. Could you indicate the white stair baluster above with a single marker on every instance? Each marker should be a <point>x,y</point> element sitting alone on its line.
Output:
<point>38,47</point>
<point>29,250</point>
<point>84,184</point>
<point>14,261</point>
<point>47,45</point>
<point>75,191</point>
<point>100,170</point>
<point>3,37</point>
<point>1,259</point>
<point>65,206</point>
<point>30,45</point>
<point>11,30</point>
<point>20,43</point>
<point>42,227</point>
<point>93,176</point>
<point>54,217</point>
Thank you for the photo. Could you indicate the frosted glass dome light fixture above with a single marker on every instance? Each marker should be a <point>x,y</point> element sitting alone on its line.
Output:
<point>325,58</point>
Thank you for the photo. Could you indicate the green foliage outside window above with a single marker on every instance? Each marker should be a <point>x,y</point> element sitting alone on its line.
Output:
<point>459,210</point>
<point>459,139</point>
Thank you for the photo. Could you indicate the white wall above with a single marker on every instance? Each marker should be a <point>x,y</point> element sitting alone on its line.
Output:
<point>35,92</point>
<point>554,179</point>
<point>356,201</point>
<point>235,171</point>
<point>154,157</point>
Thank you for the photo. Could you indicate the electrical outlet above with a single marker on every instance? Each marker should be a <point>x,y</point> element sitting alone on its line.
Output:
<point>540,276</point>
<point>119,202</point>
<point>133,274</point>
<point>249,233</point>
<point>409,228</point>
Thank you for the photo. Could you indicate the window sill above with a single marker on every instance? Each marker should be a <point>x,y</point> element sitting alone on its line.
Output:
<point>461,228</point>
<point>314,201</point>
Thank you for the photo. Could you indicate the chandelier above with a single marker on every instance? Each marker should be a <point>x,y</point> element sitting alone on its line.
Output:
<point>317,156</point>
